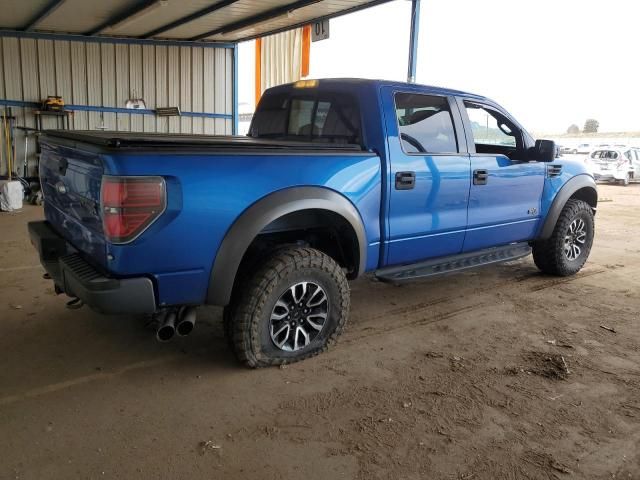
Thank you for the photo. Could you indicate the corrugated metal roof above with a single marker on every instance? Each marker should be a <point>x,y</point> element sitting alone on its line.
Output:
<point>206,20</point>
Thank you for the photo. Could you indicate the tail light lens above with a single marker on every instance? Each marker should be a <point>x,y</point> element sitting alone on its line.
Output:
<point>130,205</point>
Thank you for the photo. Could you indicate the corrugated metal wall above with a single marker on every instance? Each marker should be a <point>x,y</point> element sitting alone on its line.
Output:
<point>95,75</point>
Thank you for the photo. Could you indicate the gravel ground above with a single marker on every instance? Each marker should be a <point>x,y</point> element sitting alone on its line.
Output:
<point>501,373</point>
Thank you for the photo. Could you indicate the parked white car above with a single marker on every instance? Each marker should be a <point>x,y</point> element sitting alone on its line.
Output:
<point>619,165</point>
<point>564,149</point>
<point>583,148</point>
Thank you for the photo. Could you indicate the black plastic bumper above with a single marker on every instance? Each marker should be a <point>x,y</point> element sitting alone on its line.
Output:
<point>77,278</point>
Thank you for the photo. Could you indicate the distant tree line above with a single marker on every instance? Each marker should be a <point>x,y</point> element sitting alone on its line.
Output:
<point>590,126</point>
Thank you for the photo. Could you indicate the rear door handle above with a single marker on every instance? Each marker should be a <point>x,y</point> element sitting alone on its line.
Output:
<point>480,176</point>
<point>405,180</point>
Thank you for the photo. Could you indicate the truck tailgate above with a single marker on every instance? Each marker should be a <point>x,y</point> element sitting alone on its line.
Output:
<point>71,180</point>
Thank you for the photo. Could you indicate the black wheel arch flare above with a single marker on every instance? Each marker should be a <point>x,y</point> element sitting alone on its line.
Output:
<point>266,210</point>
<point>584,186</point>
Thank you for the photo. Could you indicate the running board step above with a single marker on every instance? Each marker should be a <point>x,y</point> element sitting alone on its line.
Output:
<point>454,263</point>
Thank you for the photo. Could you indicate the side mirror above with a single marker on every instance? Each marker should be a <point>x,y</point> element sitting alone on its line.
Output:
<point>544,151</point>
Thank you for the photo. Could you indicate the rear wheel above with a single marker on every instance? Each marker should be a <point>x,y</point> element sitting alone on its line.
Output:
<point>625,181</point>
<point>567,250</point>
<point>292,308</point>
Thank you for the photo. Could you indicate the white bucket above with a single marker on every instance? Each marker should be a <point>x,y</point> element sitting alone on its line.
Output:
<point>11,195</point>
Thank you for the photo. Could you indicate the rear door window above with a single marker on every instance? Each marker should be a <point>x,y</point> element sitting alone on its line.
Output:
<point>425,124</point>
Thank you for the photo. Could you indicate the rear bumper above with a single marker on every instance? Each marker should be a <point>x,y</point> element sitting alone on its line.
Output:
<point>608,176</point>
<point>77,278</point>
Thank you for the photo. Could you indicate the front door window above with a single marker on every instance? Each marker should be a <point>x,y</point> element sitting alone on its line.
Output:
<point>493,132</point>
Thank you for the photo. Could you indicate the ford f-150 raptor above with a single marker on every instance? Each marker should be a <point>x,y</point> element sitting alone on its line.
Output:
<point>334,179</point>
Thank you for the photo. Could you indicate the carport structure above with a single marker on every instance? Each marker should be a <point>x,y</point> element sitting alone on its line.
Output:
<point>98,56</point>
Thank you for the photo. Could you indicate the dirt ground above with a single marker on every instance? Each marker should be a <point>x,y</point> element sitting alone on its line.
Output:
<point>501,373</point>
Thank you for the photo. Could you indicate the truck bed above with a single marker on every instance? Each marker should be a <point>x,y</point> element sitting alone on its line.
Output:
<point>107,140</point>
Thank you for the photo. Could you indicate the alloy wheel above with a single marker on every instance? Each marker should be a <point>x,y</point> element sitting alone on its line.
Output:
<point>298,316</point>
<point>575,239</point>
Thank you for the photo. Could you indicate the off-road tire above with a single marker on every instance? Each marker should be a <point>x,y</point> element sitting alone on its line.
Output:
<point>247,319</point>
<point>227,323</point>
<point>625,181</point>
<point>549,255</point>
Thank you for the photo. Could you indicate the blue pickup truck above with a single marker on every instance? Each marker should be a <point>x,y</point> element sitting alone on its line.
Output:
<point>335,178</point>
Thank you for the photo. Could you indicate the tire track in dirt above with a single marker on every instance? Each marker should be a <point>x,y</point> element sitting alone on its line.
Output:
<point>350,338</point>
<point>417,308</point>
<point>562,281</point>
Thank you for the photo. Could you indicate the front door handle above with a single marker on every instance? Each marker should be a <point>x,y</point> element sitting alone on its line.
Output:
<point>405,180</point>
<point>480,177</point>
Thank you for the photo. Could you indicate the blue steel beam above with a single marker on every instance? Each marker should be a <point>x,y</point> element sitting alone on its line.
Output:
<point>48,9</point>
<point>261,17</point>
<point>100,109</point>
<point>235,91</point>
<point>413,41</point>
<point>189,18</point>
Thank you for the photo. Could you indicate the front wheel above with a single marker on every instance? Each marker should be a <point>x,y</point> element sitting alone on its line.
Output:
<point>292,308</point>
<point>567,250</point>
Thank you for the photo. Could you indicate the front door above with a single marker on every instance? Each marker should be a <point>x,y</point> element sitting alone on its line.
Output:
<point>506,188</point>
<point>429,177</point>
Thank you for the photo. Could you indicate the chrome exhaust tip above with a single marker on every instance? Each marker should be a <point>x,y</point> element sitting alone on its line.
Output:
<point>167,328</point>
<point>186,321</point>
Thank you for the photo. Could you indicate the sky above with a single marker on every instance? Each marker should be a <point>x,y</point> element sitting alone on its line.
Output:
<point>550,63</point>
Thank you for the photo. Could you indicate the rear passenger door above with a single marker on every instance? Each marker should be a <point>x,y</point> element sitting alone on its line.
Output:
<point>429,176</point>
<point>506,188</point>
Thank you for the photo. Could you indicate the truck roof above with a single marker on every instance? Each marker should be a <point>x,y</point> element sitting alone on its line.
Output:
<point>365,82</point>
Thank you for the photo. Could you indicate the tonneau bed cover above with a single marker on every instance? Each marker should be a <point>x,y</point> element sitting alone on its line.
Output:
<point>144,141</point>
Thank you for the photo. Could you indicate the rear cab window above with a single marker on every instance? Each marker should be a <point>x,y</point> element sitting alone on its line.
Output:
<point>605,155</point>
<point>318,116</point>
<point>425,124</point>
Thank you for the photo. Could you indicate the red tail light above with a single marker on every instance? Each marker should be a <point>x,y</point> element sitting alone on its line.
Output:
<point>130,205</point>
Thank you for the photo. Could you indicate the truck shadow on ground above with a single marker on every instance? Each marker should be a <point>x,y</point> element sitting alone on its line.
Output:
<point>81,345</point>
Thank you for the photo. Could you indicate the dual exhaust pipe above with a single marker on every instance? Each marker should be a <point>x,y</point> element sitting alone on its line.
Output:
<point>180,321</point>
